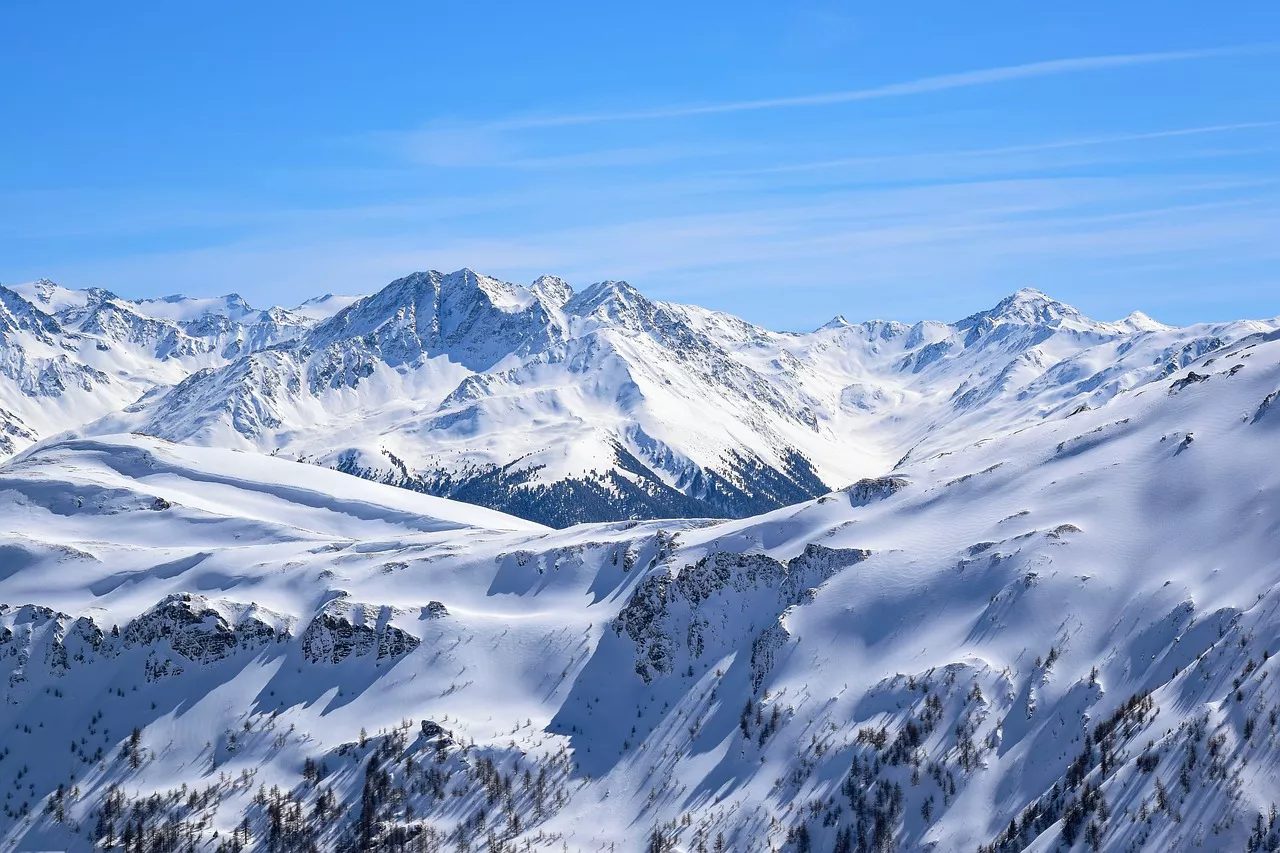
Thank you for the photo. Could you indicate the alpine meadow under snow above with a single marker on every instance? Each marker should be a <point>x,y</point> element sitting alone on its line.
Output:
<point>584,571</point>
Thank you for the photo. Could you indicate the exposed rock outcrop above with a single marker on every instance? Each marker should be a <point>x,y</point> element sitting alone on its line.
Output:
<point>345,629</point>
<point>873,489</point>
<point>673,618</point>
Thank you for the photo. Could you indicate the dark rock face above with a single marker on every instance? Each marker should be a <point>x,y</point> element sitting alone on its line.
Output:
<point>1265,406</point>
<point>763,649</point>
<point>642,620</point>
<point>673,618</point>
<point>12,430</point>
<point>181,629</point>
<point>873,489</point>
<point>1191,352</point>
<point>344,630</point>
<point>744,486</point>
<point>185,629</point>
<point>32,634</point>
<point>197,631</point>
<point>1190,379</point>
<point>462,313</point>
<point>815,566</point>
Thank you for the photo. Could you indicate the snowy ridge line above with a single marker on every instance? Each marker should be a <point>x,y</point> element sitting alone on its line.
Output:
<point>565,407</point>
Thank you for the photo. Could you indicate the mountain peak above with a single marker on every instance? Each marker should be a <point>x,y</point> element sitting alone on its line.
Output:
<point>44,290</point>
<point>17,312</point>
<point>179,308</point>
<point>1029,300</point>
<point>460,288</point>
<point>1029,307</point>
<point>1140,322</point>
<point>319,308</point>
<point>476,319</point>
<point>53,297</point>
<point>612,295</point>
<point>553,289</point>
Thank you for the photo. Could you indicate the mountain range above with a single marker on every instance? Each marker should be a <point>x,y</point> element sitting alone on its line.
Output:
<point>1045,623</point>
<point>558,406</point>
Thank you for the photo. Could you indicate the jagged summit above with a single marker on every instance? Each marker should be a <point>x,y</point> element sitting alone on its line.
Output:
<point>44,289</point>
<point>612,300</point>
<point>18,313</point>
<point>55,298</point>
<point>472,318</point>
<point>1027,306</point>
<point>553,289</point>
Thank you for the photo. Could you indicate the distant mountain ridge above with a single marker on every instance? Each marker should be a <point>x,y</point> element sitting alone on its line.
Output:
<point>563,406</point>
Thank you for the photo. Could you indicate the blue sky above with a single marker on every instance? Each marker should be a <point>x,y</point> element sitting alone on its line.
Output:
<point>783,161</point>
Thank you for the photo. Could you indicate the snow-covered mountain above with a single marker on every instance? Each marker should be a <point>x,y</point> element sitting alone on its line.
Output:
<point>565,407</point>
<point>69,357</point>
<point>1050,629</point>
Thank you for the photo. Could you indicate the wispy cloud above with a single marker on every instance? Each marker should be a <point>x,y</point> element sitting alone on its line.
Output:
<point>919,86</point>
<point>1054,145</point>
<point>492,143</point>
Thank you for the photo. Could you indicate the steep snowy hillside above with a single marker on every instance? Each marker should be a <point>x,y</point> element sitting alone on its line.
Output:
<point>565,407</point>
<point>1055,637</point>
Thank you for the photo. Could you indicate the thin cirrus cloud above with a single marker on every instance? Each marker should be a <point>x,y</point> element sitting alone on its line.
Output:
<point>1033,148</point>
<point>920,86</point>
<point>488,143</point>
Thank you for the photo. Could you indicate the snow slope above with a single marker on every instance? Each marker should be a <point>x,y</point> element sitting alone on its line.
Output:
<point>1056,636</point>
<point>565,407</point>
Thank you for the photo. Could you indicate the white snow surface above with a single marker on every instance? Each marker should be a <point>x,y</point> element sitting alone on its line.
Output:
<point>1064,597</point>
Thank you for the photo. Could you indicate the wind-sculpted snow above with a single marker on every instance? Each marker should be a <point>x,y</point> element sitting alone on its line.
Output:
<point>1057,638</point>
